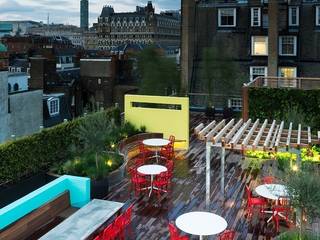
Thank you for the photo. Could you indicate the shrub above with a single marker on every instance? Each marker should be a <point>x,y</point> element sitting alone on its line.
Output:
<point>40,151</point>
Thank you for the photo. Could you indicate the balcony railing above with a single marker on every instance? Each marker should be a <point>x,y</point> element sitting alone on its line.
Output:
<point>280,82</point>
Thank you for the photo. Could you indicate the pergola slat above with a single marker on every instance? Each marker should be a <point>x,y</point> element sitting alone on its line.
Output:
<point>279,134</point>
<point>238,135</point>
<point>206,129</point>
<point>266,142</point>
<point>274,136</point>
<point>299,135</point>
<point>198,128</point>
<point>251,131</point>
<point>289,135</point>
<point>261,131</point>
<point>223,131</point>
<point>233,130</point>
<point>309,135</point>
<point>215,130</point>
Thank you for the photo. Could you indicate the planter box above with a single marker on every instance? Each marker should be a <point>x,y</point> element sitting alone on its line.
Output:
<point>11,193</point>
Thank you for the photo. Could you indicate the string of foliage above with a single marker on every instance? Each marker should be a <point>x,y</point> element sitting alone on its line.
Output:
<point>40,151</point>
<point>291,105</point>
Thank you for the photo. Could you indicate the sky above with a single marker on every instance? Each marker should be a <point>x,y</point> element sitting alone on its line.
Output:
<point>67,11</point>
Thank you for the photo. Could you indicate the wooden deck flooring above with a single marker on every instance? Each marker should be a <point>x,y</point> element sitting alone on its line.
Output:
<point>151,216</point>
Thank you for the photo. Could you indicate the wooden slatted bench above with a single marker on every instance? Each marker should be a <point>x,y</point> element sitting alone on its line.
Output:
<point>39,220</point>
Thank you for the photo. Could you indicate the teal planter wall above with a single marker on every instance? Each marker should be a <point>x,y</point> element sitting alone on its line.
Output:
<point>79,188</point>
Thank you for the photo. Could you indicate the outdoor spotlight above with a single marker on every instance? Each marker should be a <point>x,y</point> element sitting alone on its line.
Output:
<point>295,168</point>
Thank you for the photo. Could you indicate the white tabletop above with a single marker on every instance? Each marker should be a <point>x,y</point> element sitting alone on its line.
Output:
<point>201,223</point>
<point>272,191</point>
<point>152,169</point>
<point>156,142</point>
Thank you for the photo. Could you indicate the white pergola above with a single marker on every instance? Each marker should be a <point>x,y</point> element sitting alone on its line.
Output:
<point>250,135</point>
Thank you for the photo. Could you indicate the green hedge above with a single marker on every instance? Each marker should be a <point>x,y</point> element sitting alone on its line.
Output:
<point>38,152</point>
<point>271,103</point>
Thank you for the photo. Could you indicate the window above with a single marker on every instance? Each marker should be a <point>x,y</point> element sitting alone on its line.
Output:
<point>227,17</point>
<point>290,73</point>
<point>235,103</point>
<point>265,20</point>
<point>258,71</point>
<point>259,46</point>
<point>293,16</point>
<point>16,87</point>
<point>288,46</point>
<point>53,106</point>
<point>317,15</point>
<point>255,17</point>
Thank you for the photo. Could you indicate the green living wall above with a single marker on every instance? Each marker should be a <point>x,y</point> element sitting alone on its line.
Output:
<point>290,105</point>
<point>38,152</point>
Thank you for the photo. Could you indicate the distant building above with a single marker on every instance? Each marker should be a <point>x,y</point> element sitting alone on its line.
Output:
<point>91,40</point>
<point>20,110</point>
<point>73,33</point>
<point>84,14</point>
<point>19,28</point>
<point>143,26</point>
<point>264,38</point>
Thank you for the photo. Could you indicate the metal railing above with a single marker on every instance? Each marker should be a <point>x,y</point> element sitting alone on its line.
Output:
<point>281,82</point>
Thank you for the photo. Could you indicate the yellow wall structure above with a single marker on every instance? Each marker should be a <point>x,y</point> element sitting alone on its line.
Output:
<point>162,120</point>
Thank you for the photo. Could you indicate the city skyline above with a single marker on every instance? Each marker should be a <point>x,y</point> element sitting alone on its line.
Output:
<point>68,12</point>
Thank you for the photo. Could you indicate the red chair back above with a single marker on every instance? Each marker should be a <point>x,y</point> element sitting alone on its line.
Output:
<point>174,234</point>
<point>128,215</point>
<point>172,139</point>
<point>97,238</point>
<point>109,233</point>
<point>269,180</point>
<point>248,192</point>
<point>227,235</point>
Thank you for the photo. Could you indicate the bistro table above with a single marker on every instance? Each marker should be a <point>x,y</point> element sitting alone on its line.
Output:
<point>84,222</point>
<point>156,143</point>
<point>152,170</point>
<point>201,223</point>
<point>272,192</point>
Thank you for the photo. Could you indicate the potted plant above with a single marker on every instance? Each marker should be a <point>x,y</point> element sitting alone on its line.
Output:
<point>304,191</point>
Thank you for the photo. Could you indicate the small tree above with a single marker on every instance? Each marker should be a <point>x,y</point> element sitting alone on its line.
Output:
<point>304,191</point>
<point>158,74</point>
<point>93,133</point>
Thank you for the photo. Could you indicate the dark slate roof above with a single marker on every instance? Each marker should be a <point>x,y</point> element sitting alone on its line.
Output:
<point>69,76</point>
<point>22,63</point>
<point>107,11</point>
<point>65,51</point>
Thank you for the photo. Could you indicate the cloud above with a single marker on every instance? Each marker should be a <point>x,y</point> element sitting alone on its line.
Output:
<point>68,11</point>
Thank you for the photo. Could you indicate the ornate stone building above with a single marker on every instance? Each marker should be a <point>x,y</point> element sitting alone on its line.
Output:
<point>143,26</point>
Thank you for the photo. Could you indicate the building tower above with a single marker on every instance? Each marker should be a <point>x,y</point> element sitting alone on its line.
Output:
<point>84,14</point>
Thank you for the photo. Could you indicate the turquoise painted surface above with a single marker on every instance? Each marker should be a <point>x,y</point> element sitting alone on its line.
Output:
<point>79,188</point>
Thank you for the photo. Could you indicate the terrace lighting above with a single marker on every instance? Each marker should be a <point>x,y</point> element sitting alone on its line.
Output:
<point>109,162</point>
<point>112,145</point>
<point>294,168</point>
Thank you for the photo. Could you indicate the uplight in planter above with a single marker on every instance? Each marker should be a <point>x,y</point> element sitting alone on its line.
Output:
<point>112,145</point>
<point>109,162</point>
<point>294,168</point>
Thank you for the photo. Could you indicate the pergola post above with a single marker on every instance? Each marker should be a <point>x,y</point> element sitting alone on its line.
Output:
<point>223,157</point>
<point>208,160</point>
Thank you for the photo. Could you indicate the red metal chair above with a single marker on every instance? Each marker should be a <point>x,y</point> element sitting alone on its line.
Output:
<point>98,238</point>
<point>162,182</point>
<point>227,235</point>
<point>174,234</point>
<point>119,226</point>
<point>170,167</point>
<point>127,215</point>
<point>145,153</point>
<point>254,202</point>
<point>285,211</point>
<point>138,181</point>
<point>167,151</point>
<point>109,233</point>
<point>139,162</point>
<point>269,180</point>
<point>172,139</point>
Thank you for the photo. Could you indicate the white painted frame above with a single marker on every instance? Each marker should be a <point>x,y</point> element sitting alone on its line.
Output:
<point>265,68</point>
<point>252,45</point>
<point>50,100</point>
<point>297,16</point>
<point>253,9</point>
<point>294,47</point>
<point>317,16</point>
<point>234,17</point>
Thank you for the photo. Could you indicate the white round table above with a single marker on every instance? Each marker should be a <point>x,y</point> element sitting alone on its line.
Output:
<point>152,170</point>
<point>201,223</point>
<point>157,143</point>
<point>272,191</point>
